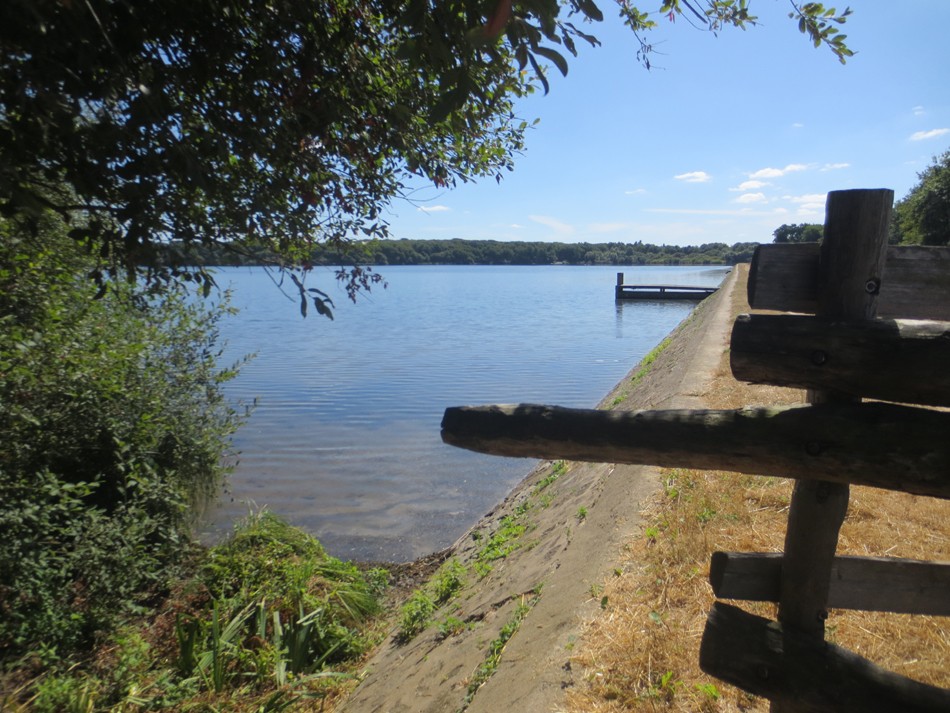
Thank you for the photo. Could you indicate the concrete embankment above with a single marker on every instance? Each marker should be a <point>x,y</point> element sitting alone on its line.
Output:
<point>532,564</point>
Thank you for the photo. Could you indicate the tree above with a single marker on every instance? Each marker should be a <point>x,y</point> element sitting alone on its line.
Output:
<point>923,215</point>
<point>280,123</point>
<point>798,233</point>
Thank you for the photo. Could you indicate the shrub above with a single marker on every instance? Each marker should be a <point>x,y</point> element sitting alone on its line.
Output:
<point>114,427</point>
<point>319,602</point>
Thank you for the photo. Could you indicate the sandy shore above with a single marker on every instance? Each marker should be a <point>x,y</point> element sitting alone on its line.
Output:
<point>573,531</point>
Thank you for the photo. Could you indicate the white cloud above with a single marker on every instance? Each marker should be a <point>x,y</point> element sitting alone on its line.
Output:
<point>809,204</point>
<point>798,125</point>
<point>559,227</point>
<point>635,192</point>
<point>694,177</point>
<point>932,134</point>
<point>743,212</point>
<point>835,166</point>
<point>750,185</point>
<point>778,172</point>
<point>918,110</point>
<point>808,198</point>
<point>751,198</point>
<point>433,208</point>
<point>516,226</point>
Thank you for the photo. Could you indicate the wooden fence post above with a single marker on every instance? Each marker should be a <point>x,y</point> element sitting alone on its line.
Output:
<point>850,268</point>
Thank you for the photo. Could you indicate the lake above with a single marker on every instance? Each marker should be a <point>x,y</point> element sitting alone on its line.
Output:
<point>344,441</point>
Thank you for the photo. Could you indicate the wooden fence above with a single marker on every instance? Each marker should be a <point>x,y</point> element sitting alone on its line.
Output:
<point>839,347</point>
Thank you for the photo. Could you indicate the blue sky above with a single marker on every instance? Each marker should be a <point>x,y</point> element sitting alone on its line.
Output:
<point>723,140</point>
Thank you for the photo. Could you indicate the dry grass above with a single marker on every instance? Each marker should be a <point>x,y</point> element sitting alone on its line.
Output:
<point>642,652</point>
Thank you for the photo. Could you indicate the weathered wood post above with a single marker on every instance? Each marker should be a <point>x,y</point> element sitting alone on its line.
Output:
<point>850,267</point>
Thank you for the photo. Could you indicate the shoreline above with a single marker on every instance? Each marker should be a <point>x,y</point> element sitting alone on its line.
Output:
<point>570,527</point>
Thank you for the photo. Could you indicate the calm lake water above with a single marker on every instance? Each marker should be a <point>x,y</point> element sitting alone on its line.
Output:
<point>344,440</point>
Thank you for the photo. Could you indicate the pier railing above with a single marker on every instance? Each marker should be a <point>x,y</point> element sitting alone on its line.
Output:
<point>842,351</point>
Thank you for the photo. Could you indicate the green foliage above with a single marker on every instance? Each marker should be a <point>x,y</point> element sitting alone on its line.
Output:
<point>820,24</point>
<point>798,233</point>
<point>276,582</point>
<point>114,427</point>
<point>64,694</point>
<point>709,690</point>
<point>558,468</point>
<point>923,216</point>
<point>416,613</point>
<point>495,252</point>
<point>234,652</point>
<point>279,124</point>
<point>647,362</point>
<point>504,541</point>
<point>665,687</point>
<point>449,580</point>
<point>488,667</point>
<point>451,626</point>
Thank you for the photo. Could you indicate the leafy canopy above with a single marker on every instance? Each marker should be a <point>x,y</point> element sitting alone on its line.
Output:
<point>923,215</point>
<point>280,123</point>
<point>798,233</point>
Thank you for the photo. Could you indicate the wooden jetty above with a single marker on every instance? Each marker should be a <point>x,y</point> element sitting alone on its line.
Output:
<point>660,292</point>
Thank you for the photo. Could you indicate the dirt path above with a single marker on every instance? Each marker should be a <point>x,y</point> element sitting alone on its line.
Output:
<point>565,529</point>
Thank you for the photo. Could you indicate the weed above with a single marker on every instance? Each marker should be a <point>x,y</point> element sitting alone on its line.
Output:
<point>501,544</point>
<point>665,688</point>
<point>705,515</point>
<point>647,362</point>
<point>449,580</point>
<point>495,648</point>
<point>65,694</point>
<point>558,468</point>
<point>708,690</point>
<point>451,626</point>
<point>415,615</point>
<point>581,513</point>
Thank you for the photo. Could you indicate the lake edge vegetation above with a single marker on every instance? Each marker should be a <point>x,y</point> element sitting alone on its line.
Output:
<point>116,436</point>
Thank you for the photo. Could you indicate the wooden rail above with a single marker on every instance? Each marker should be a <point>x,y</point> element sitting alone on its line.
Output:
<point>909,450</point>
<point>885,584</point>
<point>803,673</point>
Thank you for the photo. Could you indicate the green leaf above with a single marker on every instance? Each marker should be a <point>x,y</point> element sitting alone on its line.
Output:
<point>558,60</point>
<point>539,72</point>
<point>591,10</point>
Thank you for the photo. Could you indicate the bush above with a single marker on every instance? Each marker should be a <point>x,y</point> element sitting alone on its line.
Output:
<point>279,605</point>
<point>114,427</point>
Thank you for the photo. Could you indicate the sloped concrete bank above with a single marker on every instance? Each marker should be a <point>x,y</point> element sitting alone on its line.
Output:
<point>531,566</point>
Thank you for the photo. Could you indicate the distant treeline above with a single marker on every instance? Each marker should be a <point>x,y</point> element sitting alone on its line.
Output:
<point>492,252</point>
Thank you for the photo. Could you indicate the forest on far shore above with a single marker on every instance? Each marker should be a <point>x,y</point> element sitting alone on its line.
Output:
<point>494,252</point>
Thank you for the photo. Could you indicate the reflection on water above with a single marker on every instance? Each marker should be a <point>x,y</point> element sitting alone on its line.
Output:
<point>345,438</point>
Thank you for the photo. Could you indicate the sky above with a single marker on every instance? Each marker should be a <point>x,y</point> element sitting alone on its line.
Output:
<point>723,140</point>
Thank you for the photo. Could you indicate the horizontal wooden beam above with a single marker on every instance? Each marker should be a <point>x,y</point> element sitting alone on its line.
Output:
<point>884,584</point>
<point>758,656</point>
<point>877,444</point>
<point>893,360</point>
<point>915,283</point>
